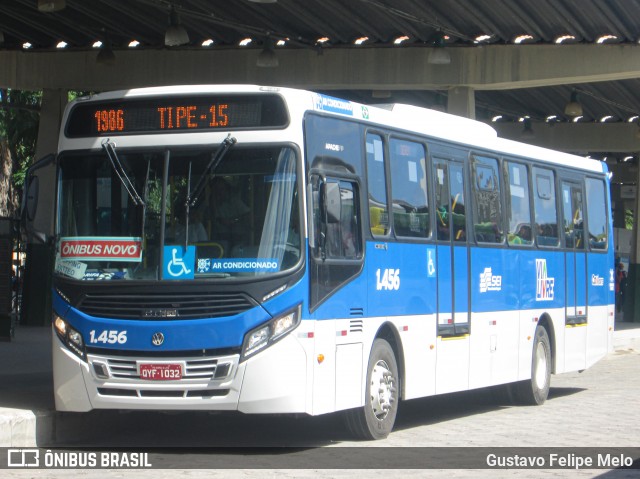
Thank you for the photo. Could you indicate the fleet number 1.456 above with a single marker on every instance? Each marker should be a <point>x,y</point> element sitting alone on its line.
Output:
<point>108,337</point>
<point>388,279</point>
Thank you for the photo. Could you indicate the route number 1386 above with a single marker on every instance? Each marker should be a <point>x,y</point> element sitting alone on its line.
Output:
<point>388,279</point>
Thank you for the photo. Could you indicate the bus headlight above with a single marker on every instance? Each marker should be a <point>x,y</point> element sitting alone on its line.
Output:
<point>269,333</point>
<point>69,336</point>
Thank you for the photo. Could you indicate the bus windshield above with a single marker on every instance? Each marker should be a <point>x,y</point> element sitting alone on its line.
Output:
<point>142,219</point>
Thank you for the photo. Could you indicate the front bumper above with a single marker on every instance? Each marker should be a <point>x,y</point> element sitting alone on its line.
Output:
<point>273,381</point>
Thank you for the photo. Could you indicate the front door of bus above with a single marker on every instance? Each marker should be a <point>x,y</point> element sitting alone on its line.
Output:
<point>452,251</point>
<point>576,268</point>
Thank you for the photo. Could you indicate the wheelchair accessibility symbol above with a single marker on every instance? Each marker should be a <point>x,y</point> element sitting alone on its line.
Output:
<point>178,263</point>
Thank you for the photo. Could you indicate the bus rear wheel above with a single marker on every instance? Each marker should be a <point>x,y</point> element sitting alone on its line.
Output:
<point>375,420</point>
<point>535,391</point>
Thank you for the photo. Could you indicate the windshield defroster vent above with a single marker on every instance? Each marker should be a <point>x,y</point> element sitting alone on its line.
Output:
<point>165,306</point>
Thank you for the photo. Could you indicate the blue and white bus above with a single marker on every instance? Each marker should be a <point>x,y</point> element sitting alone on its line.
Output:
<point>270,250</point>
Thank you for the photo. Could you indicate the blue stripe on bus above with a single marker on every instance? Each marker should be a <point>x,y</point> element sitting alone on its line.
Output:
<point>501,279</point>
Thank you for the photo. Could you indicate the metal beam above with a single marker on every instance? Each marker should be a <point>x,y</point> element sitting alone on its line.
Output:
<point>495,67</point>
<point>580,138</point>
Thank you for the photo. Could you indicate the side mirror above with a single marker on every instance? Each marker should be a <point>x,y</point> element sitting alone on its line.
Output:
<point>31,198</point>
<point>38,200</point>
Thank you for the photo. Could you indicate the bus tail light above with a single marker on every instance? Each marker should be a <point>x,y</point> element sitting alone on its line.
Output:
<point>269,333</point>
<point>69,336</point>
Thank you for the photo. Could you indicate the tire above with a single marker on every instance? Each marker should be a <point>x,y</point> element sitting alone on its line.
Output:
<point>534,391</point>
<point>376,418</point>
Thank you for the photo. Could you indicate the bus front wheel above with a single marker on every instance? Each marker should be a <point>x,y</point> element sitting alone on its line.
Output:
<point>535,391</point>
<point>375,420</point>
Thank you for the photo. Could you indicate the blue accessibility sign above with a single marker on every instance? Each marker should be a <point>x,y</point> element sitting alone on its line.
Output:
<point>179,262</point>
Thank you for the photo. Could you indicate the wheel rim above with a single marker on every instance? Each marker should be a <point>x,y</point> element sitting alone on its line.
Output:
<point>541,366</point>
<point>382,389</point>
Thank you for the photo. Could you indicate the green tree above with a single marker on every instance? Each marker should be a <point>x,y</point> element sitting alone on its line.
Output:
<point>19,119</point>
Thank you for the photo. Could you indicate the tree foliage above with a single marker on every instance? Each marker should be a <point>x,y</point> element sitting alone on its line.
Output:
<point>19,120</point>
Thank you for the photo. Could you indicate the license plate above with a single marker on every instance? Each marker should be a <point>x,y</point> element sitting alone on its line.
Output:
<point>161,372</point>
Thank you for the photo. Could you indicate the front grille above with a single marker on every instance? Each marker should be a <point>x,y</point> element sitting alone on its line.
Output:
<point>204,368</point>
<point>165,306</point>
<point>202,393</point>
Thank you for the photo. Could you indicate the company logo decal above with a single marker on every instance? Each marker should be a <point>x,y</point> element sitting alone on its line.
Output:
<point>612,281</point>
<point>157,339</point>
<point>333,105</point>
<point>544,284</point>
<point>597,280</point>
<point>489,282</point>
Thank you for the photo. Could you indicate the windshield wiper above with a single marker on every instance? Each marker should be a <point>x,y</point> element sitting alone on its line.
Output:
<point>216,158</point>
<point>192,199</point>
<point>110,150</point>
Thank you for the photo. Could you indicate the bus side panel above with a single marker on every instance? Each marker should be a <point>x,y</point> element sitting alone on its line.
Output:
<point>402,287</point>
<point>599,290</point>
<point>495,325</point>
<point>542,294</point>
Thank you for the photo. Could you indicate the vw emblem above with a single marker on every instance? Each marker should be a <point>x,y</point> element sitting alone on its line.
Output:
<point>157,339</point>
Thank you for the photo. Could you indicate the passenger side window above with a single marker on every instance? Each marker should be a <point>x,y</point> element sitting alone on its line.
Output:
<point>544,204</point>
<point>572,215</point>
<point>409,189</point>
<point>378,210</point>
<point>343,233</point>
<point>597,214</point>
<point>441,173</point>
<point>518,204</point>
<point>488,211</point>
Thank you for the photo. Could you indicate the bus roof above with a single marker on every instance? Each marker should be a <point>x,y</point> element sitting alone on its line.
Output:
<point>424,121</point>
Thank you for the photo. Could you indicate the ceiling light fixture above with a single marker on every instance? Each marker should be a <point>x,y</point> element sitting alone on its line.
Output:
<point>527,131</point>
<point>606,38</point>
<point>361,40</point>
<point>27,45</point>
<point>573,108</point>
<point>106,55</point>
<point>97,44</point>
<point>438,55</point>
<point>62,44</point>
<point>522,38</point>
<point>49,6</point>
<point>322,40</point>
<point>176,34</point>
<point>401,39</point>
<point>267,58</point>
<point>564,38</point>
<point>483,38</point>
<point>207,43</point>
<point>496,118</point>
<point>245,41</point>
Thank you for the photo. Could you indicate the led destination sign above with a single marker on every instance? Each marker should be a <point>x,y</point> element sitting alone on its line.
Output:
<point>176,114</point>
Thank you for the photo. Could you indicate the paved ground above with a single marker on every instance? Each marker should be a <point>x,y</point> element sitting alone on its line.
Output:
<point>598,408</point>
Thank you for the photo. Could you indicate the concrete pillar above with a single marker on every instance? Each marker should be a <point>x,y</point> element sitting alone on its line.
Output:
<point>36,296</point>
<point>632,299</point>
<point>462,102</point>
<point>51,111</point>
